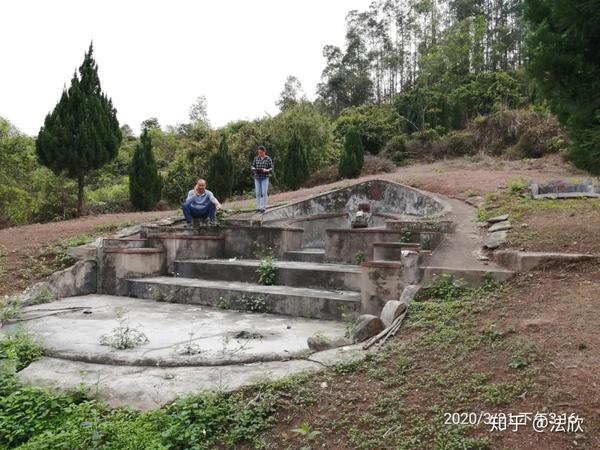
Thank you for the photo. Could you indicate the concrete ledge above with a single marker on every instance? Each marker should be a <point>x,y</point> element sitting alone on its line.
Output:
<point>191,237</point>
<point>524,261</point>
<point>473,277</point>
<point>382,264</point>
<point>133,251</point>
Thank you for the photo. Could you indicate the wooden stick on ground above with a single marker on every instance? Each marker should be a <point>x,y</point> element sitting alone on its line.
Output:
<point>383,334</point>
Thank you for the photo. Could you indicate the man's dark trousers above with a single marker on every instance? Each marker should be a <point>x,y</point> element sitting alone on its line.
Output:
<point>191,211</point>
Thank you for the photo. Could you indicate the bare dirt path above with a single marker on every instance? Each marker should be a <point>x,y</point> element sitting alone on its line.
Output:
<point>24,250</point>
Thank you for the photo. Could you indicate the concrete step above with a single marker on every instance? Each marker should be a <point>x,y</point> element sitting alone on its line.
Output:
<point>474,277</point>
<point>292,301</point>
<point>305,255</point>
<point>288,273</point>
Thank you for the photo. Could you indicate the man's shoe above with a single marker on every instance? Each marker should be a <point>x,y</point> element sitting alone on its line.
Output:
<point>212,223</point>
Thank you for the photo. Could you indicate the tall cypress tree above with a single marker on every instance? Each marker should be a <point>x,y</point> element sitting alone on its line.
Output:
<point>295,168</point>
<point>353,157</point>
<point>82,132</point>
<point>145,183</point>
<point>220,172</point>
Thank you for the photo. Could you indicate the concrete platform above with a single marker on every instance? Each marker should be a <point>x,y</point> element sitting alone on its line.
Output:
<point>72,328</point>
<point>290,273</point>
<point>293,301</point>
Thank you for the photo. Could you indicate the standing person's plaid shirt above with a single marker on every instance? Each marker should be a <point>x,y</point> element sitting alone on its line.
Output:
<point>265,163</point>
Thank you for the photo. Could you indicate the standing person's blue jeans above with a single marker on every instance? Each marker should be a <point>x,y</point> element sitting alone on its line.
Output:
<point>191,211</point>
<point>262,186</point>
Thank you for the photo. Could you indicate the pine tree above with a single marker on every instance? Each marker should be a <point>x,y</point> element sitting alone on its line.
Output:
<point>220,172</point>
<point>145,183</point>
<point>353,157</point>
<point>295,169</point>
<point>82,133</point>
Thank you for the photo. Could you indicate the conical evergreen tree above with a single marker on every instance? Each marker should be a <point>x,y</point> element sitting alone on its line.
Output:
<point>220,172</point>
<point>82,133</point>
<point>295,168</point>
<point>145,183</point>
<point>353,157</point>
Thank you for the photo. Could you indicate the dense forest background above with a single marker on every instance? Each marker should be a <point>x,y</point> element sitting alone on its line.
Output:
<point>418,80</point>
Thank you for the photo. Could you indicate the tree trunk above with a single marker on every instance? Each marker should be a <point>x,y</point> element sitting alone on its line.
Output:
<point>80,180</point>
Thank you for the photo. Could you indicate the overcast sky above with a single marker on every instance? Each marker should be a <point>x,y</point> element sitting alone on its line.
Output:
<point>156,57</point>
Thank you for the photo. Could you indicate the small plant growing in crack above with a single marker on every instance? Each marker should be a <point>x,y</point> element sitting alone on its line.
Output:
<point>254,303</point>
<point>158,295</point>
<point>359,258</point>
<point>224,303</point>
<point>266,271</point>
<point>190,347</point>
<point>124,336</point>
<point>348,318</point>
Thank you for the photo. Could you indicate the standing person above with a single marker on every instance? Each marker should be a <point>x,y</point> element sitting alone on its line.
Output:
<point>262,166</point>
<point>200,204</point>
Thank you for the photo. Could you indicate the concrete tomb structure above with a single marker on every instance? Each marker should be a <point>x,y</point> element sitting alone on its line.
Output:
<point>206,321</point>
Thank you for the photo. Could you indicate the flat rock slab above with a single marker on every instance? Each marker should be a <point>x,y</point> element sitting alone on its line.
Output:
<point>342,355</point>
<point>152,387</point>
<point>500,226</point>
<point>495,240</point>
<point>501,218</point>
<point>178,334</point>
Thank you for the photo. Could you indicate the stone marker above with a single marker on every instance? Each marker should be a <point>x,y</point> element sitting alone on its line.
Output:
<point>500,226</point>
<point>495,240</point>
<point>391,310</point>
<point>501,218</point>
<point>366,327</point>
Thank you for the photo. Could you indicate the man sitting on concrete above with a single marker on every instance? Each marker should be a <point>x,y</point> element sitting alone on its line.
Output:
<point>200,204</point>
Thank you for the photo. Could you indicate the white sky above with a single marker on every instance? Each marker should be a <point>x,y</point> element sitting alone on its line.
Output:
<point>155,57</point>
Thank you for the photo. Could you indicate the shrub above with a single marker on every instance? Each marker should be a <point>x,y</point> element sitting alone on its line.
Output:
<point>144,181</point>
<point>113,198</point>
<point>220,172</point>
<point>352,160</point>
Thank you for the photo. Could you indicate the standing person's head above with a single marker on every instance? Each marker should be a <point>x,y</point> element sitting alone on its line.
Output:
<point>200,186</point>
<point>262,151</point>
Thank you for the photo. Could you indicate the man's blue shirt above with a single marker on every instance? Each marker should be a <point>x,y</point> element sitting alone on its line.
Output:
<point>200,201</point>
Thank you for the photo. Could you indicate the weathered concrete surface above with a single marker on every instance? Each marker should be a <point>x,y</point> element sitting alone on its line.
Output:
<point>342,245</point>
<point>152,387</point>
<point>72,328</point>
<point>564,189</point>
<point>524,261</point>
<point>118,264</point>
<point>381,281</point>
<point>288,273</point>
<point>383,197</point>
<point>293,301</point>
<point>79,279</point>
<point>316,255</point>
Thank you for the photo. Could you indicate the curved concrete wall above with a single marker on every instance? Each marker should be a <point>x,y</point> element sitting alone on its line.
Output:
<point>385,197</point>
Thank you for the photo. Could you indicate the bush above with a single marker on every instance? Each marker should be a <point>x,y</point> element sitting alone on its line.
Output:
<point>377,164</point>
<point>109,199</point>
<point>145,184</point>
<point>352,160</point>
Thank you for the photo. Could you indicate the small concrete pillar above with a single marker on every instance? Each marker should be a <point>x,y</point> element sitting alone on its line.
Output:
<point>380,281</point>
<point>411,273</point>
